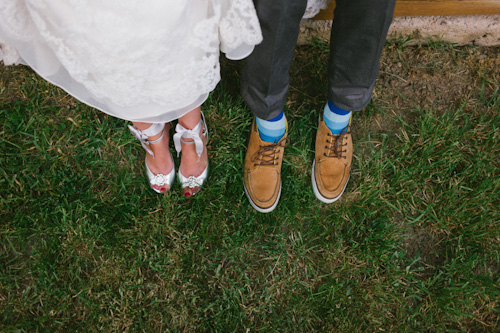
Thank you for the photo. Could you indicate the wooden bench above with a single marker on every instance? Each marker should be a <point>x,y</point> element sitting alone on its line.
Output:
<point>432,8</point>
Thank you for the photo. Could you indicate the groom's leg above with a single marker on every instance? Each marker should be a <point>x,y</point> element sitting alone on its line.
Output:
<point>358,36</point>
<point>264,88</point>
<point>266,74</point>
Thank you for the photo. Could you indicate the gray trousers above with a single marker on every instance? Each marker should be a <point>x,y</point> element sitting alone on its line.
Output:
<point>358,35</point>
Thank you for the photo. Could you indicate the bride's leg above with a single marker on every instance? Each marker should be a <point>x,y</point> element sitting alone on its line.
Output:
<point>191,163</point>
<point>162,162</point>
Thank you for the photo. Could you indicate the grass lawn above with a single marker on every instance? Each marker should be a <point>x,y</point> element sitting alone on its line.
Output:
<point>413,244</point>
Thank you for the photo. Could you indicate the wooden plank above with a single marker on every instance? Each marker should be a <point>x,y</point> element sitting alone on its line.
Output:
<point>449,7</point>
<point>432,8</point>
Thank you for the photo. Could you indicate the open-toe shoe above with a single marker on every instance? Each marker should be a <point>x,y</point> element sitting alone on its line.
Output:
<point>192,184</point>
<point>160,183</point>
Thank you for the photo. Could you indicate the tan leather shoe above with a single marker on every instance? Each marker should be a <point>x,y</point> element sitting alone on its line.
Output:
<point>332,163</point>
<point>262,171</point>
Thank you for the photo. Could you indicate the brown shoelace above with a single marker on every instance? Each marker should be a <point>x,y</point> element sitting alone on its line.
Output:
<point>336,144</point>
<point>266,155</point>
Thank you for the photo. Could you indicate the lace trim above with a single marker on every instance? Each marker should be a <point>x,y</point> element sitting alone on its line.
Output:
<point>109,46</point>
<point>314,6</point>
<point>9,55</point>
<point>240,16</point>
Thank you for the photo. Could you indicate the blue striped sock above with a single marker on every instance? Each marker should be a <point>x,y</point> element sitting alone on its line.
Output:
<point>272,130</point>
<point>336,119</point>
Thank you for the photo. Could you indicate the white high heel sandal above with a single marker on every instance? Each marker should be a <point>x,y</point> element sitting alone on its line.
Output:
<point>192,182</point>
<point>160,183</point>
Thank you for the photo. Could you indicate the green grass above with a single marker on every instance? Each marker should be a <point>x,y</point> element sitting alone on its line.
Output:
<point>413,245</point>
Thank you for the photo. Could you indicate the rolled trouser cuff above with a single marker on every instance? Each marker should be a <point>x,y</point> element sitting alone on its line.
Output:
<point>352,99</point>
<point>263,105</point>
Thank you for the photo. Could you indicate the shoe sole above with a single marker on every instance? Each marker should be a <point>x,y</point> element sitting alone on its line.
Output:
<point>318,194</point>
<point>259,209</point>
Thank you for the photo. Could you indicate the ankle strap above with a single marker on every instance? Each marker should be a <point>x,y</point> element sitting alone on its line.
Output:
<point>152,130</point>
<point>181,132</point>
<point>143,135</point>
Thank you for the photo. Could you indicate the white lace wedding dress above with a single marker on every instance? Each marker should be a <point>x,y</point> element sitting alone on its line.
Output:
<point>149,61</point>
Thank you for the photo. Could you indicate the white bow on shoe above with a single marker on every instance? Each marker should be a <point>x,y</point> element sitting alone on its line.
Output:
<point>183,133</point>
<point>160,183</point>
